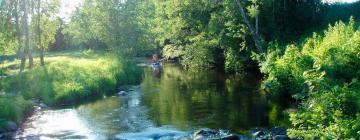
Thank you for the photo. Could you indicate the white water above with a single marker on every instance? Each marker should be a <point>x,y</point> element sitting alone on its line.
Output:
<point>153,133</point>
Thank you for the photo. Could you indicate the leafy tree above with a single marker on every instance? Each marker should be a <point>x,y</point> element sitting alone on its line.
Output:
<point>254,31</point>
<point>8,32</point>
<point>46,26</point>
<point>117,25</point>
<point>323,73</point>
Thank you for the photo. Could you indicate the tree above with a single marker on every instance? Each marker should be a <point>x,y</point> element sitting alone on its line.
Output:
<point>20,52</point>
<point>39,34</point>
<point>7,34</point>
<point>254,32</point>
<point>111,24</point>
<point>46,26</point>
<point>27,32</point>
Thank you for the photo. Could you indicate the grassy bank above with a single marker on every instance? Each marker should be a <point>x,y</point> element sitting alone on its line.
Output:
<point>67,78</point>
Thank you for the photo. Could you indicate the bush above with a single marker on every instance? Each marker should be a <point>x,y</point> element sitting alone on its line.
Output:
<point>12,108</point>
<point>332,114</point>
<point>233,62</point>
<point>285,73</point>
<point>200,54</point>
<point>323,72</point>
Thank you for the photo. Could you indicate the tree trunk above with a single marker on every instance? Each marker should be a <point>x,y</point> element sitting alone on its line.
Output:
<point>27,33</point>
<point>39,35</point>
<point>273,11</point>
<point>254,33</point>
<point>257,24</point>
<point>19,35</point>
<point>284,14</point>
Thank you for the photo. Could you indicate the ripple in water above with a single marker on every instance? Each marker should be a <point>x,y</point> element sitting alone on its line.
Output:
<point>154,134</point>
<point>50,124</point>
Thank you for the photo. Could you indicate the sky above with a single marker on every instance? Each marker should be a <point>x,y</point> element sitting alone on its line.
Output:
<point>67,8</point>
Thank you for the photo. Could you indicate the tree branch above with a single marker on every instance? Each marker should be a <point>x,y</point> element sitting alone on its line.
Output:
<point>254,34</point>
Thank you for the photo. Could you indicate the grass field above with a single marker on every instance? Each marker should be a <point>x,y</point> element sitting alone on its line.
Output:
<point>66,78</point>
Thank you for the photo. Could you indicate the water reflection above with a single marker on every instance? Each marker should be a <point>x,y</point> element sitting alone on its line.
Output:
<point>168,106</point>
<point>61,124</point>
<point>102,119</point>
<point>190,100</point>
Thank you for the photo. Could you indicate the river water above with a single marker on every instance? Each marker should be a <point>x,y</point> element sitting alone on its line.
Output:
<point>166,105</point>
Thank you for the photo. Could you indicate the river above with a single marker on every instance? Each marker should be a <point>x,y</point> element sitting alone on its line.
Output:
<point>168,105</point>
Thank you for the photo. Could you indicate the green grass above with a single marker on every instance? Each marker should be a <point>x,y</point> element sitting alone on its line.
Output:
<point>67,78</point>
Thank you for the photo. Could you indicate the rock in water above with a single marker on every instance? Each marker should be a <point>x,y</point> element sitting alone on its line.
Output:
<point>278,131</point>
<point>11,126</point>
<point>230,137</point>
<point>259,134</point>
<point>123,93</point>
<point>202,134</point>
<point>281,137</point>
<point>199,134</point>
<point>42,105</point>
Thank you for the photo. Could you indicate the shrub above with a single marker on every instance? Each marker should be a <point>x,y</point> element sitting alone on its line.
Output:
<point>324,73</point>
<point>285,73</point>
<point>68,79</point>
<point>12,108</point>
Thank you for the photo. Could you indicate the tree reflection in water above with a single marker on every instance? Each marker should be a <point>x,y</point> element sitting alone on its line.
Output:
<point>190,100</point>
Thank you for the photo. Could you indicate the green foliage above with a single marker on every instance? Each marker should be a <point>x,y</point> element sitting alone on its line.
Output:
<point>331,114</point>
<point>199,53</point>
<point>285,73</point>
<point>48,24</point>
<point>233,62</point>
<point>48,31</point>
<point>324,73</point>
<point>253,9</point>
<point>203,34</point>
<point>171,52</point>
<point>12,108</point>
<point>7,32</point>
<point>66,79</point>
<point>7,45</point>
<point>112,24</point>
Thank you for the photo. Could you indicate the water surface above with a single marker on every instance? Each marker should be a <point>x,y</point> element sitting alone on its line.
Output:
<point>166,105</point>
<point>189,100</point>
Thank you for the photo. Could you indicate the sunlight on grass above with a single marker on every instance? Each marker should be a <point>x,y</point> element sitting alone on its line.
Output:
<point>65,79</point>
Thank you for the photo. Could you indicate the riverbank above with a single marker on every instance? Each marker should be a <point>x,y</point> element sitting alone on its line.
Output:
<point>66,78</point>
